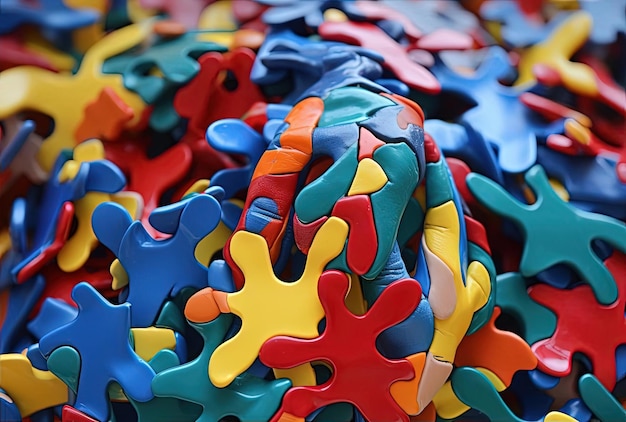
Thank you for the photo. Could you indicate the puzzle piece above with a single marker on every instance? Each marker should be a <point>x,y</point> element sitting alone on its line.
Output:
<point>266,303</point>
<point>584,335</point>
<point>173,58</point>
<point>158,268</point>
<point>516,144</point>
<point>247,397</point>
<point>149,177</point>
<point>8,409</point>
<point>343,331</point>
<point>556,52</point>
<point>476,391</point>
<point>16,303</point>
<point>31,389</point>
<point>112,323</point>
<point>537,321</point>
<point>519,28</point>
<point>548,226</point>
<point>117,115</point>
<point>53,16</point>
<point>603,405</point>
<point>36,89</point>
<point>185,12</point>
<point>223,87</point>
<point>609,21</point>
<point>395,57</point>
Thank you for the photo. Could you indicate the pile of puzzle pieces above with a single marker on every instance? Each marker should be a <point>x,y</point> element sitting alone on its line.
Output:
<point>317,210</point>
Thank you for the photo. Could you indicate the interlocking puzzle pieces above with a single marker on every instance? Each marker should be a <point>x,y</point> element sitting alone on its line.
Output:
<point>266,305</point>
<point>247,397</point>
<point>343,332</point>
<point>547,223</point>
<point>574,334</point>
<point>155,268</point>
<point>105,356</point>
<point>71,180</point>
<point>31,88</point>
<point>516,144</point>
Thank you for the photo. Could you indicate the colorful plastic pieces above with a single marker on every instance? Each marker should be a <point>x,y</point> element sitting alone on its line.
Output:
<point>312,210</point>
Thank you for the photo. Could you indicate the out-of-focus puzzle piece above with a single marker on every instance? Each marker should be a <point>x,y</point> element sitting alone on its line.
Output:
<point>173,58</point>
<point>185,12</point>
<point>556,52</point>
<point>158,268</point>
<point>537,321</point>
<point>117,115</point>
<point>31,389</point>
<point>516,143</point>
<point>112,325</point>
<point>334,346</point>
<point>247,398</point>
<point>585,335</point>
<point>370,36</point>
<point>547,223</point>
<point>31,88</point>
<point>609,20</point>
<point>519,27</point>
<point>53,16</point>
<point>8,409</point>
<point>19,145</point>
<point>265,304</point>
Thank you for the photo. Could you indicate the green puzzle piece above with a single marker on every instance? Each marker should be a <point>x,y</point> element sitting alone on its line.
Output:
<point>555,232</point>
<point>249,398</point>
<point>600,401</point>
<point>538,322</point>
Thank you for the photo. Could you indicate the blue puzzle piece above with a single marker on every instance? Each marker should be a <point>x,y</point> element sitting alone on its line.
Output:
<point>54,313</point>
<point>591,182</point>
<point>20,301</point>
<point>100,334</point>
<point>158,269</point>
<point>96,176</point>
<point>519,30</point>
<point>8,409</point>
<point>51,16</point>
<point>248,397</point>
<point>14,145</point>
<point>19,244</point>
<point>609,19</point>
<point>299,15</point>
<point>513,135</point>
<point>466,144</point>
<point>233,136</point>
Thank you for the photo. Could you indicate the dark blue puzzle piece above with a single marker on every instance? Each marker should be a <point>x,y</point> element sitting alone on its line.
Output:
<point>591,182</point>
<point>158,269</point>
<point>8,409</point>
<point>515,135</point>
<point>100,334</point>
<point>20,300</point>
<point>50,15</point>
<point>36,358</point>
<point>17,232</point>
<point>233,136</point>
<point>519,30</point>
<point>14,145</point>
<point>464,143</point>
<point>97,176</point>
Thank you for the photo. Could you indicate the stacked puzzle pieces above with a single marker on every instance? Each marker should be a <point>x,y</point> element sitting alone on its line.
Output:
<point>320,210</point>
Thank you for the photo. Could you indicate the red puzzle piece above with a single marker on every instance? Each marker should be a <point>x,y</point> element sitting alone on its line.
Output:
<point>348,344</point>
<point>584,326</point>
<point>150,177</point>
<point>370,36</point>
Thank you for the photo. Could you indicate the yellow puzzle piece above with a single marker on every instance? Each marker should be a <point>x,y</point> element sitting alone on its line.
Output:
<point>266,305</point>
